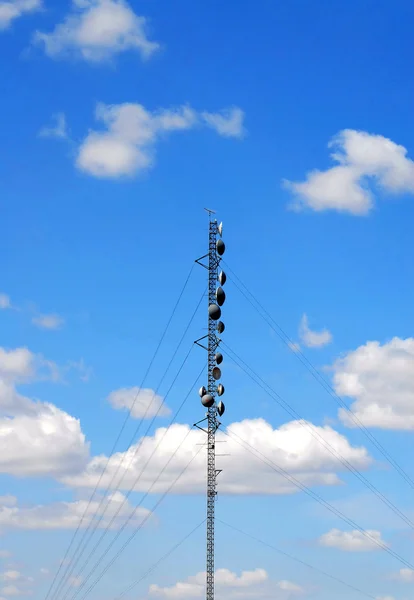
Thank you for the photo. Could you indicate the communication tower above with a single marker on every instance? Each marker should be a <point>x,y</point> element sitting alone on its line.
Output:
<point>211,395</point>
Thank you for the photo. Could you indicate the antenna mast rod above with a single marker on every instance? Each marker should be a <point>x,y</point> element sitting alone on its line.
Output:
<point>216,298</point>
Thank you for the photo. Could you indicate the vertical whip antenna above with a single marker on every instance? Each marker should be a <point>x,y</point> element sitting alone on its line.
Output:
<point>210,396</point>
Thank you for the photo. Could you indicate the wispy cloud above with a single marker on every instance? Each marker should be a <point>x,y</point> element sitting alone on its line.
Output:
<point>51,322</point>
<point>10,10</point>
<point>311,338</point>
<point>404,575</point>
<point>228,123</point>
<point>58,128</point>
<point>5,302</point>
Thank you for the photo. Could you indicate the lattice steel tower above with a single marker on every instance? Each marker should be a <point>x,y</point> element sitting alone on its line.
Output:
<point>216,299</point>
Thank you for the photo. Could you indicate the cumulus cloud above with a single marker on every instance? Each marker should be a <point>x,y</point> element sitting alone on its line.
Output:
<point>126,145</point>
<point>291,446</point>
<point>194,586</point>
<point>17,364</point>
<point>67,515</point>
<point>36,438</point>
<point>365,161</point>
<point>380,379</point>
<point>249,584</point>
<point>143,403</point>
<point>98,30</point>
<point>10,575</point>
<point>58,129</point>
<point>13,9</point>
<point>15,583</point>
<point>51,322</point>
<point>313,339</point>
<point>353,541</point>
<point>13,591</point>
<point>46,441</point>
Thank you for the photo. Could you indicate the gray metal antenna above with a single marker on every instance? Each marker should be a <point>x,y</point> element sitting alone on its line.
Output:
<point>215,409</point>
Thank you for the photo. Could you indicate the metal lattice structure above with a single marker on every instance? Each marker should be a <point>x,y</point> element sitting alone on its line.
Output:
<point>216,298</point>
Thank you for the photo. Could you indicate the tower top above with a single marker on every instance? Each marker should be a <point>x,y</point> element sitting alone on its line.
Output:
<point>210,212</point>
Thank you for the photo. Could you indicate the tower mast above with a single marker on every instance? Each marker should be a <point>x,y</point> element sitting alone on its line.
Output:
<point>215,407</point>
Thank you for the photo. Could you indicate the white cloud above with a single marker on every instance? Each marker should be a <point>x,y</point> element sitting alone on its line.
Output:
<point>20,366</point>
<point>10,576</point>
<point>43,321</point>
<point>380,379</point>
<point>5,302</point>
<point>58,129</point>
<point>67,515</point>
<point>36,438</point>
<point>47,441</point>
<point>16,365</point>
<point>8,500</point>
<point>127,144</point>
<point>228,123</point>
<point>143,402</point>
<point>291,446</point>
<point>96,31</point>
<point>288,586</point>
<point>352,541</point>
<point>10,590</point>
<point>226,578</point>
<point>405,575</point>
<point>194,586</point>
<point>51,322</point>
<point>16,584</point>
<point>313,339</point>
<point>13,9</point>
<point>364,161</point>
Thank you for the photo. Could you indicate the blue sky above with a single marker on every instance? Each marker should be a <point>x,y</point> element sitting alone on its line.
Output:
<point>121,123</point>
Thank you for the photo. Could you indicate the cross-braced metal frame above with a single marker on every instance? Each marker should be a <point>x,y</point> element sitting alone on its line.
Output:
<point>212,415</point>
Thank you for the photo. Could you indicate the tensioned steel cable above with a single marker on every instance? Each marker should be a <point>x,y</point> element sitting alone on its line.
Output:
<point>260,456</point>
<point>316,374</point>
<point>300,561</point>
<point>82,518</point>
<point>107,528</point>
<point>129,540</point>
<point>126,470</point>
<point>313,431</point>
<point>162,559</point>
